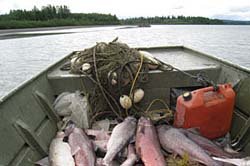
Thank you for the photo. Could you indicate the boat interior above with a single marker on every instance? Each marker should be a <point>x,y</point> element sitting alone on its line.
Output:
<point>29,122</point>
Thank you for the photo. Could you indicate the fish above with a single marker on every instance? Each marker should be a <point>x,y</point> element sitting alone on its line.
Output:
<point>60,152</point>
<point>210,147</point>
<point>147,144</point>
<point>121,135</point>
<point>83,148</point>
<point>173,140</point>
<point>235,161</point>
<point>131,158</point>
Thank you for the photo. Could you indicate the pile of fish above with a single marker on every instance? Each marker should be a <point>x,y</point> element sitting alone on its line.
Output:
<point>133,142</point>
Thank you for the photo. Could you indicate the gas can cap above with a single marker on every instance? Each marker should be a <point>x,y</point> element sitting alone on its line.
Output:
<point>187,96</point>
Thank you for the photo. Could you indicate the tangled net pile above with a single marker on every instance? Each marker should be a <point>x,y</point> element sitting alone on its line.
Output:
<point>115,69</point>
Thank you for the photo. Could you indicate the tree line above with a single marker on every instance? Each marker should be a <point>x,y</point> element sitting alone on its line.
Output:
<point>49,16</point>
<point>171,20</point>
<point>46,13</point>
<point>50,12</point>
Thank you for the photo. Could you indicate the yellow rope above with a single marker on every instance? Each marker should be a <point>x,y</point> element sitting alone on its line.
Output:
<point>134,81</point>
<point>167,112</point>
<point>136,76</point>
<point>155,100</point>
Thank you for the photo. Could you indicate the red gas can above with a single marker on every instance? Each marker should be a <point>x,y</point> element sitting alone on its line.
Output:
<point>210,111</point>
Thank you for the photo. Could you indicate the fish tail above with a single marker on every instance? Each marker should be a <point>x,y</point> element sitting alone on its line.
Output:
<point>231,161</point>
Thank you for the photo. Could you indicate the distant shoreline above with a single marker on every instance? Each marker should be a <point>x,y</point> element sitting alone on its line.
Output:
<point>17,30</point>
<point>21,32</point>
<point>60,17</point>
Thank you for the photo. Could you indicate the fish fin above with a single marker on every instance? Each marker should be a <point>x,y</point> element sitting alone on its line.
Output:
<point>168,150</point>
<point>231,161</point>
<point>68,127</point>
<point>195,130</point>
<point>164,152</point>
<point>230,150</point>
<point>43,162</point>
<point>132,140</point>
<point>74,150</point>
<point>175,155</point>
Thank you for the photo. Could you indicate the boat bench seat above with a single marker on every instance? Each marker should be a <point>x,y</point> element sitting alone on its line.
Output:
<point>158,83</point>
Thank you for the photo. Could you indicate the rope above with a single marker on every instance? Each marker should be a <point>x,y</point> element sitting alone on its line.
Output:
<point>94,81</point>
<point>136,76</point>
<point>134,81</point>
<point>157,100</point>
<point>100,86</point>
<point>167,112</point>
<point>200,77</point>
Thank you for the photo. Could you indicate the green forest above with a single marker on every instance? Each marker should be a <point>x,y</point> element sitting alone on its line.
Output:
<point>52,16</point>
<point>171,20</point>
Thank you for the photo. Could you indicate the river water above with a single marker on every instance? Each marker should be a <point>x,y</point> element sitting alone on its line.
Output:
<point>22,58</point>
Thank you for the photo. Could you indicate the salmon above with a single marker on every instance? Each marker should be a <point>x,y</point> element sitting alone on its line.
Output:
<point>147,144</point>
<point>80,143</point>
<point>175,141</point>
<point>60,152</point>
<point>121,135</point>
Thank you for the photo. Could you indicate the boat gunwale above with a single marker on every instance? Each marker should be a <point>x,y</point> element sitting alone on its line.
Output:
<point>44,71</point>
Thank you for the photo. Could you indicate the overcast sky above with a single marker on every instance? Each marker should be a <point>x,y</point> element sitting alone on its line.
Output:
<point>223,9</point>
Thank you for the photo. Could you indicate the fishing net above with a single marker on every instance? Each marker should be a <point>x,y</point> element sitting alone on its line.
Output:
<point>115,69</point>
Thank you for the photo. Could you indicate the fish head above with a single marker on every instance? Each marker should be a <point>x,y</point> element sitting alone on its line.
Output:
<point>131,119</point>
<point>144,121</point>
